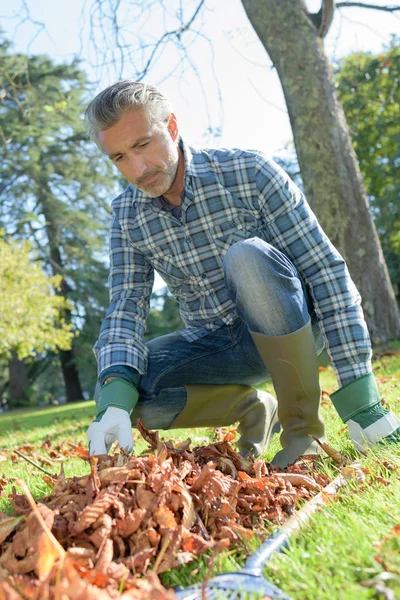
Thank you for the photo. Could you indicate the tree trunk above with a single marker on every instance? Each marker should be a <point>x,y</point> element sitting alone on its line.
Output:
<point>19,383</point>
<point>328,163</point>
<point>73,388</point>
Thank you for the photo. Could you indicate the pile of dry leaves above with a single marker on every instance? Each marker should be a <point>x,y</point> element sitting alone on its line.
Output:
<point>109,534</point>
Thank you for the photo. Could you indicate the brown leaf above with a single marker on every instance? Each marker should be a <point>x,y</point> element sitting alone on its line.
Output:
<point>194,543</point>
<point>331,452</point>
<point>230,435</point>
<point>141,560</point>
<point>93,511</point>
<point>165,518</point>
<point>131,523</point>
<point>189,513</point>
<point>19,502</point>
<point>47,555</point>
<point>145,498</point>
<point>353,472</point>
<point>151,437</point>
<point>80,451</point>
<point>7,592</point>
<point>105,556</point>
<point>382,480</point>
<point>299,480</point>
<point>94,475</point>
<point>7,525</point>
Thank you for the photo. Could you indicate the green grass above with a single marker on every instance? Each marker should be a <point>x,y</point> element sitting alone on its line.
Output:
<point>342,554</point>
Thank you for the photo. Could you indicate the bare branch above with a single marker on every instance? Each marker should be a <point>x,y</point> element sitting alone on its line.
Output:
<point>28,19</point>
<point>368,27</point>
<point>264,99</point>
<point>390,9</point>
<point>168,34</point>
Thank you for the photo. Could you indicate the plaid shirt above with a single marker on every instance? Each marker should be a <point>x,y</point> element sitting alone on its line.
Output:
<point>229,195</point>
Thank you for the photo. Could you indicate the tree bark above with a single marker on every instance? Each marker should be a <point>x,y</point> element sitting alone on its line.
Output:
<point>18,383</point>
<point>328,163</point>
<point>73,389</point>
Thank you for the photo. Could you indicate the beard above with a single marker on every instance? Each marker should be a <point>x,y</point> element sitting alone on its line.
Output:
<point>163,179</point>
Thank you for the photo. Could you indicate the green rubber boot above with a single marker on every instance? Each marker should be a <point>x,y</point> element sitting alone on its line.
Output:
<point>291,361</point>
<point>223,405</point>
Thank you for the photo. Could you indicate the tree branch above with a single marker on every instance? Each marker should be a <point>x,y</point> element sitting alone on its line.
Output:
<point>390,9</point>
<point>322,20</point>
<point>177,33</point>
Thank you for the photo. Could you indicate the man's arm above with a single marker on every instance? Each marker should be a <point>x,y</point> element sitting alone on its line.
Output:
<point>294,229</point>
<point>121,339</point>
<point>120,349</point>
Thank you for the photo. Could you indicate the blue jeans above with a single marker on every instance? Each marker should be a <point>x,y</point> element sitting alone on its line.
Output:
<point>270,298</point>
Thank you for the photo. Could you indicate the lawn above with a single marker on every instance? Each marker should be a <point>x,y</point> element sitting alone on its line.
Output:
<point>350,550</point>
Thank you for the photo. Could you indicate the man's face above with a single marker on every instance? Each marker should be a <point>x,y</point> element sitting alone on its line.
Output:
<point>146,153</point>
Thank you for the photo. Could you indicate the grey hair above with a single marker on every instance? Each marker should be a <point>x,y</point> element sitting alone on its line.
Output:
<point>107,107</point>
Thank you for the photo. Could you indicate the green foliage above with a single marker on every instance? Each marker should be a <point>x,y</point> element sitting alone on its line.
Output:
<point>369,88</point>
<point>55,186</point>
<point>31,312</point>
<point>164,315</point>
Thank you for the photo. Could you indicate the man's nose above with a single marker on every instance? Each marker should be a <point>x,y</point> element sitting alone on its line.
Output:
<point>138,166</point>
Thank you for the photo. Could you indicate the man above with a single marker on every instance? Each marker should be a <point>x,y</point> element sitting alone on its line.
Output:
<point>261,291</point>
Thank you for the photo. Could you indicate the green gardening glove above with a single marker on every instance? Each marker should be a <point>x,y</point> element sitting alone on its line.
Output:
<point>358,405</point>
<point>117,400</point>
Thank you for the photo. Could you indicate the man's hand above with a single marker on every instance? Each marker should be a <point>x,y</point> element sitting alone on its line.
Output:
<point>359,406</point>
<point>115,424</point>
<point>116,402</point>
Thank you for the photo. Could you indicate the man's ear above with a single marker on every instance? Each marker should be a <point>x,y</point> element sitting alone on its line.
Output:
<point>173,127</point>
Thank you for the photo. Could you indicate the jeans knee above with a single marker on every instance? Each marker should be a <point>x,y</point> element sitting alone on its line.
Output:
<point>265,287</point>
<point>245,261</point>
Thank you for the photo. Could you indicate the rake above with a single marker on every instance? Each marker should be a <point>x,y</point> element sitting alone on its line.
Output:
<point>249,583</point>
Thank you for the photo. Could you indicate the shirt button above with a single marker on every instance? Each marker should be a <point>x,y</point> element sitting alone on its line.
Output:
<point>204,276</point>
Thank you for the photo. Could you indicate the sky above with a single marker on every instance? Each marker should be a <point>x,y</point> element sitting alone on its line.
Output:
<point>232,89</point>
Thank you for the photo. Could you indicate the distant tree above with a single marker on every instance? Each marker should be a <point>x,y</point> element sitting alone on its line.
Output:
<point>369,88</point>
<point>53,189</point>
<point>164,315</point>
<point>32,313</point>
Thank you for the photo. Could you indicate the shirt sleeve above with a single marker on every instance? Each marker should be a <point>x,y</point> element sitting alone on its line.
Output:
<point>121,339</point>
<point>294,229</point>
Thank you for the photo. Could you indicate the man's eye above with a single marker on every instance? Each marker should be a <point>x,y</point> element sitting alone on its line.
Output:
<point>143,145</point>
<point>118,158</point>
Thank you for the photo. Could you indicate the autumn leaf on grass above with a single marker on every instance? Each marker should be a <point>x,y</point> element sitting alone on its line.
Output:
<point>195,544</point>
<point>394,532</point>
<point>389,550</point>
<point>231,435</point>
<point>331,452</point>
<point>353,472</point>
<point>80,451</point>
